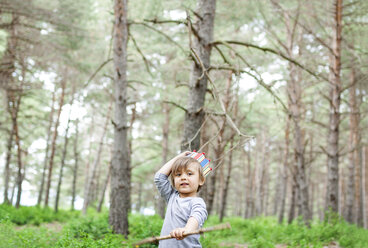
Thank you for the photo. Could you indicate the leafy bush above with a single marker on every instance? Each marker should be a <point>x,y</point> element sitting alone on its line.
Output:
<point>141,227</point>
<point>93,230</point>
<point>92,226</point>
<point>30,237</point>
<point>34,215</point>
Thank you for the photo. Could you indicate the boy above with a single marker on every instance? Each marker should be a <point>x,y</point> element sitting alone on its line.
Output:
<point>185,211</point>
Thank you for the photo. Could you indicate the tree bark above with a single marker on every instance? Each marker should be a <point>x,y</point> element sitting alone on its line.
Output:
<point>53,143</point>
<point>350,192</point>
<point>284,171</point>
<point>204,26</point>
<point>292,201</point>
<point>7,67</point>
<point>334,117</point>
<point>63,157</point>
<point>249,209</point>
<point>219,151</point>
<point>76,164</point>
<point>91,178</point>
<point>20,175</point>
<point>91,141</point>
<point>165,149</point>
<point>365,186</point>
<point>260,178</point>
<point>227,182</point>
<point>294,93</point>
<point>120,168</point>
<point>102,196</point>
<point>42,186</point>
<point>7,165</point>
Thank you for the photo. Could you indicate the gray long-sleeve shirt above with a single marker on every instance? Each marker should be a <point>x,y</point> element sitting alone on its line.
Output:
<point>179,210</point>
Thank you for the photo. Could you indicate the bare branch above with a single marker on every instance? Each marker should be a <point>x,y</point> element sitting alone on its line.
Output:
<point>95,73</point>
<point>270,50</point>
<point>146,62</point>
<point>156,21</point>
<point>319,123</point>
<point>228,118</point>
<point>259,80</point>
<point>177,105</point>
<point>160,32</point>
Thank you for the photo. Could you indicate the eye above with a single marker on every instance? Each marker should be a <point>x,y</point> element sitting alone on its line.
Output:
<point>178,174</point>
<point>190,173</point>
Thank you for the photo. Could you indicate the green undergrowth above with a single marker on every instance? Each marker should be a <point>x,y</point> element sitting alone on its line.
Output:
<point>34,215</point>
<point>264,232</point>
<point>93,230</point>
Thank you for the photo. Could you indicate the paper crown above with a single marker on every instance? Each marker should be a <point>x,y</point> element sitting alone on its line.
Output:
<point>205,163</point>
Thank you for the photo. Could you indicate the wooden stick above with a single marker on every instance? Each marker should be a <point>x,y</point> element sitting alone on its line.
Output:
<point>200,231</point>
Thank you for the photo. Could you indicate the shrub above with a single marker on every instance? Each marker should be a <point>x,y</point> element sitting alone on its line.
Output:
<point>34,215</point>
<point>91,226</point>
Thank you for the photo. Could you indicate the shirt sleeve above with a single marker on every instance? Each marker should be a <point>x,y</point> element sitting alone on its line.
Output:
<point>199,211</point>
<point>163,185</point>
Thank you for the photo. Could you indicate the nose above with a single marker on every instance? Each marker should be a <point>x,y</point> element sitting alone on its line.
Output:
<point>183,176</point>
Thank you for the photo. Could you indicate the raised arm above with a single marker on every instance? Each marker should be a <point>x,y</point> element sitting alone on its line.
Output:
<point>166,168</point>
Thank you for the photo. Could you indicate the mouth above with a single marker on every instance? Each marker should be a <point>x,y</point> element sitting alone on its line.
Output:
<point>184,184</point>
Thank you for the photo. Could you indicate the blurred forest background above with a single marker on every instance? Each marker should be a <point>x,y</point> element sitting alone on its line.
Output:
<point>97,95</point>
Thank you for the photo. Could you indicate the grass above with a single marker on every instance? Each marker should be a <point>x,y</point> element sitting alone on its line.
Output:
<point>93,231</point>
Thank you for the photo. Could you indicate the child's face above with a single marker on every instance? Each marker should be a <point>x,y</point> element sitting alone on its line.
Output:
<point>187,181</point>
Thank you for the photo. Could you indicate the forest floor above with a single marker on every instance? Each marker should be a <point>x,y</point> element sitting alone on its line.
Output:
<point>235,245</point>
<point>52,226</point>
<point>34,227</point>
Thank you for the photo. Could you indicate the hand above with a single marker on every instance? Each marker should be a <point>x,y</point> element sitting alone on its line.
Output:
<point>184,154</point>
<point>178,233</point>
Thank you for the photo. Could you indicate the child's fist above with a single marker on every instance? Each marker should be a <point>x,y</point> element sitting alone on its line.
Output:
<point>178,233</point>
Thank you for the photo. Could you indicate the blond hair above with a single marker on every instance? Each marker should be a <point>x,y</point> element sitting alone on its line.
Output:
<point>181,164</point>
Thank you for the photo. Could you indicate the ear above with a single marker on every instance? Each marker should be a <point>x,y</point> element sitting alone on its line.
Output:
<point>201,182</point>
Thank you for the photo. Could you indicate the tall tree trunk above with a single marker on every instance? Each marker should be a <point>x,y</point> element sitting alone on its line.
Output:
<point>88,194</point>
<point>350,192</point>
<point>249,195</point>
<point>311,176</point>
<point>266,187</point>
<point>292,200</point>
<point>365,186</point>
<point>91,141</point>
<point>284,171</point>
<point>261,169</point>
<point>252,184</point>
<point>102,196</point>
<point>139,202</point>
<point>205,147</point>
<point>165,149</point>
<point>204,25</point>
<point>294,93</point>
<point>219,151</point>
<point>359,180</point>
<point>7,67</point>
<point>53,143</point>
<point>7,165</point>
<point>278,189</point>
<point>42,186</point>
<point>13,193</point>
<point>334,118</point>
<point>20,175</point>
<point>76,165</point>
<point>120,169</point>
<point>227,182</point>
<point>224,182</point>
<point>63,157</point>
<point>359,165</point>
